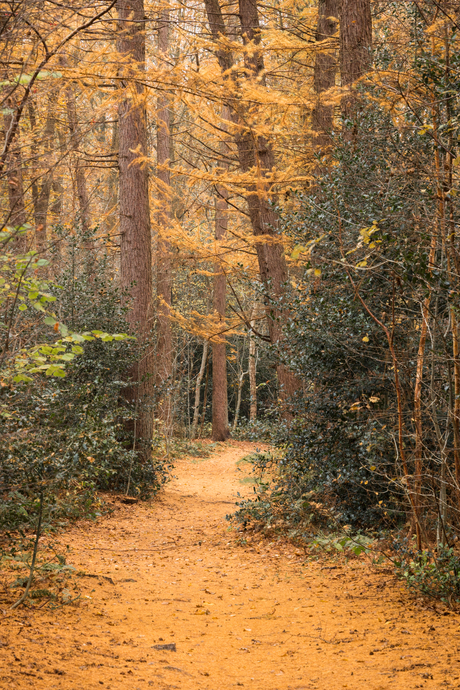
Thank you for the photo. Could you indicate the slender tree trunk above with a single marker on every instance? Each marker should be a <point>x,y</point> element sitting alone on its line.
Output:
<point>205,399</point>
<point>135,246</point>
<point>255,154</point>
<point>112,191</point>
<point>252,367</point>
<point>446,214</point>
<point>418,417</point>
<point>43,171</point>
<point>325,69</point>
<point>443,169</point>
<point>238,400</point>
<point>220,427</point>
<point>199,379</point>
<point>80,178</point>
<point>163,258</point>
<point>57,205</point>
<point>56,214</point>
<point>111,205</point>
<point>17,215</point>
<point>241,375</point>
<point>355,47</point>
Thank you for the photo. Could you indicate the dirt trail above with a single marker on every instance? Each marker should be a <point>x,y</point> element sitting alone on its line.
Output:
<point>255,616</point>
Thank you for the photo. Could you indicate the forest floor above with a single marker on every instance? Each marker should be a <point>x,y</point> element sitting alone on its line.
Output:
<point>169,573</point>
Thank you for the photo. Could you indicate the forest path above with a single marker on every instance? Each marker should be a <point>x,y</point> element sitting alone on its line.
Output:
<point>255,615</point>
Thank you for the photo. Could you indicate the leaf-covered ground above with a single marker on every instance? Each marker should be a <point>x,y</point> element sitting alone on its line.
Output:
<point>179,602</point>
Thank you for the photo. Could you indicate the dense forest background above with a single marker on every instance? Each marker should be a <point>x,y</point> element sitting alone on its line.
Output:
<point>233,218</point>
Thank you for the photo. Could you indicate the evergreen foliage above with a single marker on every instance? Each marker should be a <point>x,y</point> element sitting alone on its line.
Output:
<point>70,435</point>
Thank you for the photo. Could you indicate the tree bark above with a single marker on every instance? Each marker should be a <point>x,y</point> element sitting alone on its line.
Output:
<point>112,188</point>
<point>17,216</point>
<point>135,245</point>
<point>355,47</point>
<point>163,257</point>
<point>57,205</point>
<point>241,376</point>
<point>43,171</point>
<point>199,379</point>
<point>325,69</point>
<point>256,156</point>
<point>220,428</point>
<point>80,179</point>
<point>252,368</point>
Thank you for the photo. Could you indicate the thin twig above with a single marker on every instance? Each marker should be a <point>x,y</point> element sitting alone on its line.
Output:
<point>34,556</point>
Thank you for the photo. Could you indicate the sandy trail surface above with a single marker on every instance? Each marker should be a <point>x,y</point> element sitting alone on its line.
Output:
<point>179,602</point>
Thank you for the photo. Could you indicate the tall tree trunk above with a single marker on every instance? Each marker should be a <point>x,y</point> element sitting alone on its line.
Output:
<point>252,368</point>
<point>220,427</point>
<point>80,178</point>
<point>111,208</point>
<point>57,204</point>
<point>112,191</point>
<point>43,171</point>
<point>199,379</point>
<point>355,47</point>
<point>163,258</point>
<point>17,215</point>
<point>241,375</point>
<point>205,399</point>
<point>325,69</point>
<point>135,245</point>
<point>255,154</point>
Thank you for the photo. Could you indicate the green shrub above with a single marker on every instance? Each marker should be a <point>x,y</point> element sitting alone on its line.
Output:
<point>70,435</point>
<point>434,574</point>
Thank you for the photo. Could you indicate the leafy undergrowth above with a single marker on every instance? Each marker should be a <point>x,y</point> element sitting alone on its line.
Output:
<point>316,526</point>
<point>167,590</point>
<point>273,509</point>
<point>53,583</point>
<point>434,574</point>
<point>305,522</point>
<point>88,496</point>
<point>201,448</point>
<point>255,430</point>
